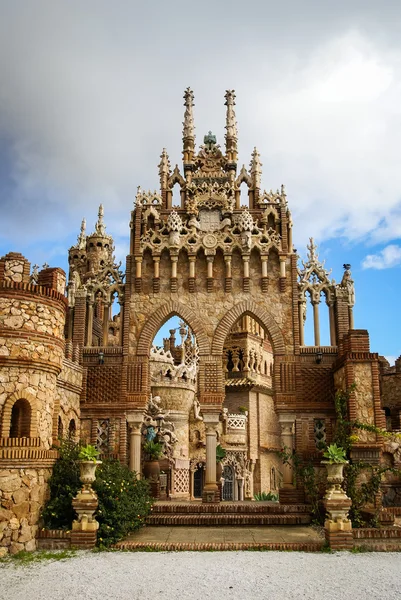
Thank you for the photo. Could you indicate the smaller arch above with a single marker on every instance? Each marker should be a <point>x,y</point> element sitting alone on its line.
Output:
<point>259,314</point>
<point>7,413</point>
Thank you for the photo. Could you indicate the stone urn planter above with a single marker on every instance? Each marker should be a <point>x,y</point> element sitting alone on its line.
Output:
<point>87,472</point>
<point>335,472</point>
<point>151,470</point>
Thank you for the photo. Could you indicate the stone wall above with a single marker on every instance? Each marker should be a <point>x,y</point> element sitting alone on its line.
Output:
<point>68,391</point>
<point>364,400</point>
<point>32,346</point>
<point>22,497</point>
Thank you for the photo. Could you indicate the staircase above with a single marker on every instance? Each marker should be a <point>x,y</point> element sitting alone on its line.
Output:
<point>247,514</point>
<point>195,526</point>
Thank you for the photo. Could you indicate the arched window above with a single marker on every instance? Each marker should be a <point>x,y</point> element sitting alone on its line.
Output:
<point>60,428</point>
<point>20,419</point>
<point>72,429</point>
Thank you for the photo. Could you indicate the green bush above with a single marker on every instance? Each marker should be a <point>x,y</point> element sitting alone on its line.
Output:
<point>64,484</point>
<point>124,501</point>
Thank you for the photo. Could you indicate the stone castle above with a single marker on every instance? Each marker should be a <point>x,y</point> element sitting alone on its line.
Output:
<point>79,359</point>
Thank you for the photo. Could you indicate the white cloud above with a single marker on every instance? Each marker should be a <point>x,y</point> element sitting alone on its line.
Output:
<point>85,113</point>
<point>391,359</point>
<point>389,257</point>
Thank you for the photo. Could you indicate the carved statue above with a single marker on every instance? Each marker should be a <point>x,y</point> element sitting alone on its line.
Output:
<point>197,409</point>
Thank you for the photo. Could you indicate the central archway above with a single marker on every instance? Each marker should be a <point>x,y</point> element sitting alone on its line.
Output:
<point>160,316</point>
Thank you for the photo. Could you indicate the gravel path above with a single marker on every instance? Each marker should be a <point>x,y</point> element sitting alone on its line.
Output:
<point>204,575</point>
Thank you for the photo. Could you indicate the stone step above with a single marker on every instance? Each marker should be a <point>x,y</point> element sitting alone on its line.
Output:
<point>219,546</point>
<point>291,496</point>
<point>235,508</point>
<point>220,519</point>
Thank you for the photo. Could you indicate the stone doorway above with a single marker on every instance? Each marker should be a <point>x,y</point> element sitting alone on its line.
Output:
<point>198,482</point>
<point>229,479</point>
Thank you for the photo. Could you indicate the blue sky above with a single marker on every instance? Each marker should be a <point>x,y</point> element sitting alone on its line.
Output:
<point>91,93</point>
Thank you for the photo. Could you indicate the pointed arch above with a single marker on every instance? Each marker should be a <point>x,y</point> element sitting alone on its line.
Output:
<point>163,314</point>
<point>259,314</point>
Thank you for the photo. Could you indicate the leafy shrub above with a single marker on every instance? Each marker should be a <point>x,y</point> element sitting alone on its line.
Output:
<point>266,497</point>
<point>124,501</point>
<point>64,484</point>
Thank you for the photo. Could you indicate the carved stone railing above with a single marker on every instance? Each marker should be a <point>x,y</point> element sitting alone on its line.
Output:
<point>237,421</point>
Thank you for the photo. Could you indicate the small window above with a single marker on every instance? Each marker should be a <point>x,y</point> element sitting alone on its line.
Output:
<point>60,428</point>
<point>20,419</point>
<point>320,434</point>
<point>72,429</point>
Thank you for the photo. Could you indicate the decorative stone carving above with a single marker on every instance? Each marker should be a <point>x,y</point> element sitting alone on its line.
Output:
<point>188,124</point>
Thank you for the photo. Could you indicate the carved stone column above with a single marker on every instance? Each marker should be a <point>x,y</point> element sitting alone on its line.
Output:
<point>333,340</point>
<point>209,280</point>
<point>156,274</point>
<point>106,310</point>
<point>301,313</point>
<point>89,324</point>
<point>121,303</point>
<point>283,275</point>
<point>264,274</point>
<point>316,325</point>
<point>138,274</point>
<point>287,440</point>
<point>351,317</point>
<point>210,490</point>
<point>173,279</point>
<point>246,282</point>
<point>229,278</point>
<point>134,421</point>
<point>192,275</point>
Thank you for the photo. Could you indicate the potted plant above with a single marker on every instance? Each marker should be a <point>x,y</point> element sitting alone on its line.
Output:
<point>220,456</point>
<point>152,450</point>
<point>88,462</point>
<point>335,460</point>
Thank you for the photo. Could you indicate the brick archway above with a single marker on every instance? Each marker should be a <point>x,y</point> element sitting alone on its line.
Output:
<point>7,410</point>
<point>163,314</point>
<point>248,307</point>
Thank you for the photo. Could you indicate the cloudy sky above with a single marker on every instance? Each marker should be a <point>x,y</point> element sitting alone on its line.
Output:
<point>91,91</point>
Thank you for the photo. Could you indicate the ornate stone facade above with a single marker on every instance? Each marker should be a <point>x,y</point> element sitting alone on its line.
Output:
<point>241,374</point>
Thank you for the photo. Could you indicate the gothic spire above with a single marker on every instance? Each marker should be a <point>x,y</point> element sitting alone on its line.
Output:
<point>231,127</point>
<point>100,227</point>
<point>82,235</point>
<point>164,169</point>
<point>188,134</point>
<point>256,169</point>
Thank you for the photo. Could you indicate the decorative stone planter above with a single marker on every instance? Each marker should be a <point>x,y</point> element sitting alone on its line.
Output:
<point>335,477</point>
<point>85,503</point>
<point>338,528</point>
<point>87,472</point>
